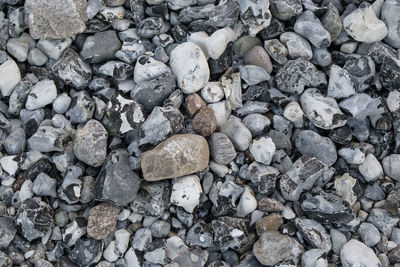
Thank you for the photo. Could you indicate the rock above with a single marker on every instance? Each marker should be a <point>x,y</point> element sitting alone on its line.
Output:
<point>256,123</point>
<point>102,220</point>
<point>255,15</point>
<point>47,139</point>
<point>237,133</point>
<point>273,248</point>
<point>390,73</point>
<point>276,50</point>
<point>35,218</point>
<point>252,74</point>
<point>56,19</point>
<point>177,156</point>
<point>212,92</point>
<point>222,111</point>
<point>41,94</point>
<point>263,150</point>
<point>270,223</point>
<point>344,187</point>
<point>10,76</point>
<point>100,47</point>
<point>122,115</point>
<point>71,69</point>
<point>371,168</point>
<point>90,144</point>
<point>247,203</point>
<point>295,75</point>
<point>322,57</point>
<point>116,182</point>
<point>362,105</point>
<point>294,113</point>
<point>5,260</point>
<point>15,142</point>
<point>190,67</point>
<point>204,122</point>
<point>340,83</point>
<point>81,109</point>
<point>193,103</point>
<point>230,233</point>
<point>297,46</point>
<point>301,176</point>
<point>390,165</point>
<point>324,112</point>
<point>116,69</point>
<point>200,234</point>
<point>314,233</point>
<point>323,148</point>
<point>310,27</point>
<point>244,44</point>
<point>332,21</point>
<point>86,252</point>
<point>314,257</point>
<point>54,48</point>
<point>383,220</point>
<point>356,253</point>
<point>147,68</point>
<point>186,192</point>
<point>389,13</point>
<point>363,25</point>
<point>259,57</point>
<point>37,57</point>
<point>44,185</point>
<point>61,103</point>
<point>19,47</point>
<point>370,236</point>
<point>7,231</point>
<point>221,148</point>
<point>285,10</point>
<point>338,240</point>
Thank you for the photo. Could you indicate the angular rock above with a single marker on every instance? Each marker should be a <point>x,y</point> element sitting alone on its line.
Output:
<point>86,252</point>
<point>186,192</point>
<point>383,220</point>
<point>310,27</point>
<point>371,168</point>
<point>285,10</point>
<point>205,122</point>
<point>48,138</point>
<point>230,232</point>
<point>340,83</point>
<point>102,220</point>
<point>177,156</point>
<point>100,47</point>
<point>362,71</point>
<point>297,46</point>
<point>389,15</point>
<point>7,231</point>
<point>255,15</point>
<point>314,233</point>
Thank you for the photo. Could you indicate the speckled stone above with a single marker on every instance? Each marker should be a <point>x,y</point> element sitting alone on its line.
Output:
<point>102,220</point>
<point>204,122</point>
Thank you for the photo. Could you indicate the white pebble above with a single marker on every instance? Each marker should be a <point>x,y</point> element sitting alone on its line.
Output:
<point>186,192</point>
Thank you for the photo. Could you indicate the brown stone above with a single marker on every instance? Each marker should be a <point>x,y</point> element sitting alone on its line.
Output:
<point>270,223</point>
<point>259,57</point>
<point>102,220</point>
<point>179,155</point>
<point>205,122</point>
<point>193,104</point>
<point>270,204</point>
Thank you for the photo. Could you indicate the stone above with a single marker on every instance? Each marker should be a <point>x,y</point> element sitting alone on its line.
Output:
<point>371,168</point>
<point>222,111</point>
<point>295,75</point>
<point>48,138</point>
<point>230,232</point>
<point>7,231</point>
<point>81,108</point>
<point>44,185</point>
<point>41,94</point>
<point>56,19</point>
<point>10,76</point>
<point>383,220</point>
<point>177,156</point>
<point>244,44</point>
<point>259,57</point>
<point>270,205</point>
<point>147,68</point>
<point>332,21</point>
<point>18,48</point>
<point>370,236</point>
<point>273,248</point>
<point>190,67</point>
<point>61,103</point>
<point>15,142</point>
<point>122,115</point>
<point>322,57</point>
<point>221,148</point>
<point>310,27</point>
<point>186,192</point>
<point>276,50</point>
<point>102,220</point>
<point>212,92</point>
<point>255,15</point>
<point>363,25</point>
<point>193,103</point>
<point>390,166</point>
<point>237,133</point>
<point>90,143</point>
<point>270,223</point>
<point>390,73</point>
<point>247,203</point>
<point>86,252</point>
<point>200,234</point>
<point>253,74</point>
<point>35,218</point>
<point>257,124</point>
<point>338,240</point>
<point>297,46</point>
<point>205,122</point>
<point>340,83</point>
<point>314,257</point>
<point>100,47</point>
<point>160,124</point>
<point>314,233</point>
<point>116,69</point>
<point>324,112</point>
<point>263,150</point>
<point>285,10</point>
<point>389,13</point>
<point>54,48</point>
<point>72,70</point>
<point>356,253</point>
<point>116,182</point>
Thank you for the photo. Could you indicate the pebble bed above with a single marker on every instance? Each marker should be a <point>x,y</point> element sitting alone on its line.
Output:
<point>191,133</point>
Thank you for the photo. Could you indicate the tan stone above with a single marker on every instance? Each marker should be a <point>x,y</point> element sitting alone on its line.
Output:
<point>270,223</point>
<point>259,57</point>
<point>205,122</point>
<point>193,104</point>
<point>270,204</point>
<point>179,155</point>
<point>102,220</point>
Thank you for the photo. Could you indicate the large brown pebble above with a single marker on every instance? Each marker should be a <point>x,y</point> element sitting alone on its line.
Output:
<point>205,122</point>
<point>102,220</point>
<point>179,155</point>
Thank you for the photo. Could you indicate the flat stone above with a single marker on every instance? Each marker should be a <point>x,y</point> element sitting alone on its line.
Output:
<point>391,165</point>
<point>100,47</point>
<point>237,133</point>
<point>356,253</point>
<point>56,19</point>
<point>9,77</point>
<point>179,155</point>
<point>102,220</point>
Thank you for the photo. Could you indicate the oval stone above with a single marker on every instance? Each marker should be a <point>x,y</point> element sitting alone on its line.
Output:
<point>179,155</point>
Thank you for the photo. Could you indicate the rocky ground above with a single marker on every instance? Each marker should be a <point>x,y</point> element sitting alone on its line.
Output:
<point>199,133</point>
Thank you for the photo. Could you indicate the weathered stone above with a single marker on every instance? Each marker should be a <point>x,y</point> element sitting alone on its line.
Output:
<point>102,220</point>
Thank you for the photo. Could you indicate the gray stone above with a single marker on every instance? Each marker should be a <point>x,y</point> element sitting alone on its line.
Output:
<point>297,46</point>
<point>15,142</point>
<point>86,252</point>
<point>285,10</point>
<point>361,105</point>
<point>255,15</point>
<point>391,166</point>
<point>7,231</point>
<point>256,123</point>
<point>338,240</point>
<point>237,133</point>
<point>130,51</point>
<point>276,50</point>
<point>81,108</point>
<point>362,71</point>
<point>18,48</point>
<point>37,57</point>
<point>262,150</point>
<point>117,70</point>
<point>230,232</point>
<point>20,93</point>
<point>252,74</point>
<point>314,258</point>
<point>383,220</point>
<point>322,57</point>
<point>141,239</point>
<point>371,168</point>
<point>116,182</point>
<point>314,145</point>
<point>47,139</point>
<point>147,68</point>
<point>221,148</point>
<point>100,47</point>
<point>332,21</point>
<point>370,236</point>
<point>56,19</point>
<point>160,229</point>
<point>70,189</point>
<point>90,143</point>
<point>10,76</point>
<point>314,233</point>
<point>44,185</point>
<point>340,83</point>
<point>54,48</point>
<point>200,234</point>
<point>152,199</point>
<point>389,14</point>
<point>355,253</point>
<point>310,27</point>
<point>61,103</point>
<point>41,94</point>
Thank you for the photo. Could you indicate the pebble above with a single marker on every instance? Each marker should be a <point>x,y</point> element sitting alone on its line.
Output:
<point>193,104</point>
<point>259,57</point>
<point>87,251</point>
<point>314,257</point>
<point>388,15</point>
<point>314,233</point>
<point>147,68</point>
<point>253,74</point>
<point>190,67</point>
<point>237,133</point>
<point>221,148</point>
<point>54,48</point>
<point>310,27</point>
<point>332,21</point>
<point>212,92</point>
<point>263,150</point>
<point>276,50</point>
<point>61,103</point>
<point>186,192</point>
<point>44,185</point>
<point>100,47</point>
<point>286,10</point>
<point>205,122</point>
<point>177,156</point>
<point>8,231</point>
<point>10,76</point>
<point>102,220</point>
<point>255,15</point>
<point>297,46</point>
<point>370,236</point>
<point>41,94</point>
<point>340,83</point>
<point>356,253</point>
<point>390,168</point>
<point>363,25</point>
<point>371,168</point>
<point>81,109</point>
<point>383,220</point>
<point>338,240</point>
<point>48,138</point>
<point>14,144</point>
<point>247,203</point>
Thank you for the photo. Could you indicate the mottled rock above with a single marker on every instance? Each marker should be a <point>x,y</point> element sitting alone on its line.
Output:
<point>100,47</point>
<point>102,220</point>
<point>285,10</point>
<point>356,253</point>
<point>204,122</point>
<point>389,12</point>
<point>86,252</point>
<point>7,231</point>
<point>340,83</point>
<point>297,46</point>
<point>255,15</point>
<point>186,192</point>
<point>310,27</point>
<point>48,138</point>
<point>391,165</point>
<point>259,57</point>
<point>193,103</point>
<point>314,233</point>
